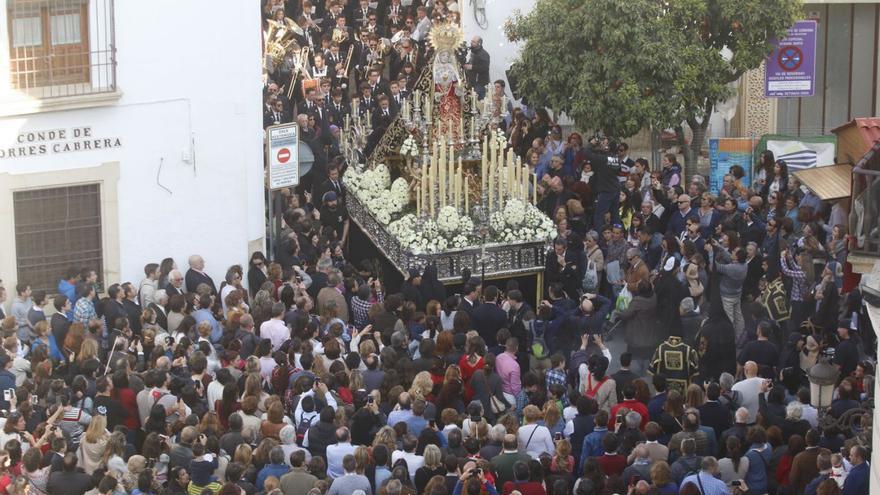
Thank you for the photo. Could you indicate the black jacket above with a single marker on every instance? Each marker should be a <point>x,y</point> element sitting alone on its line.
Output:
<point>320,436</point>
<point>64,483</point>
<point>487,320</point>
<point>194,278</point>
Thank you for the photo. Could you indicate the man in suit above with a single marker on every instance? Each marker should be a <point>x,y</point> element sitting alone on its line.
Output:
<point>516,315</point>
<point>333,183</point>
<point>383,115</point>
<point>367,103</point>
<point>395,14</point>
<point>469,300</point>
<point>362,14</point>
<point>488,318</point>
<point>69,479</point>
<point>859,476</point>
<point>160,298</point>
<point>373,26</point>
<point>338,108</point>
<point>563,266</point>
<point>175,283</point>
<point>713,413</point>
<point>196,275</point>
<point>823,463</point>
<point>276,115</point>
<point>395,98</point>
<point>804,467</point>
<point>113,305</point>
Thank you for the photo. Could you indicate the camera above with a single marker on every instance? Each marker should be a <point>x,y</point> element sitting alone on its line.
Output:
<point>557,436</point>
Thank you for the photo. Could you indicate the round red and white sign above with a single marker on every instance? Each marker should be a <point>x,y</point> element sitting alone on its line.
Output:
<point>283,155</point>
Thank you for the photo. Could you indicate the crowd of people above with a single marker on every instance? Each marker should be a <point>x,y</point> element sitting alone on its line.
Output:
<point>304,374</point>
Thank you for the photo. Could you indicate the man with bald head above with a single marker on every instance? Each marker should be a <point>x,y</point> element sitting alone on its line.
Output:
<point>196,275</point>
<point>502,464</point>
<point>477,67</point>
<point>641,465</point>
<point>749,388</point>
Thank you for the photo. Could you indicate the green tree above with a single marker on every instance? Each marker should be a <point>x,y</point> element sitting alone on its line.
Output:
<point>623,65</point>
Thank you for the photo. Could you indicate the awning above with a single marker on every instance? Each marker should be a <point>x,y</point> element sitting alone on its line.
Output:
<point>831,182</point>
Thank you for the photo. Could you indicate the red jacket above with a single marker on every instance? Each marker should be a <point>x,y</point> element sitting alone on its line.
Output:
<point>632,405</point>
<point>612,465</point>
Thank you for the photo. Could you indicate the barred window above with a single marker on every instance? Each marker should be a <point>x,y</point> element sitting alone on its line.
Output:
<point>61,47</point>
<point>56,229</point>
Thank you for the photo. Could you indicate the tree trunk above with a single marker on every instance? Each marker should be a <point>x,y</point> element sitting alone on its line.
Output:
<point>692,151</point>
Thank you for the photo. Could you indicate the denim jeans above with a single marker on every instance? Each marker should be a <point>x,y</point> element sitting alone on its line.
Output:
<point>606,201</point>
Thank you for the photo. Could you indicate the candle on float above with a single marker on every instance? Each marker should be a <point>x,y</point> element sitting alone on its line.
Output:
<point>516,183</point>
<point>525,182</point>
<point>490,180</point>
<point>461,128</point>
<point>428,107</point>
<point>535,188</point>
<point>442,170</point>
<point>466,192</point>
<point>451,159</point>
<point>483,164</point>
<point>474,100</point>
<point>510,160</point>
<point>432,171</point>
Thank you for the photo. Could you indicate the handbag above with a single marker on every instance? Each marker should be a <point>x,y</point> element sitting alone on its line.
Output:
<point>497,405</point>
<point>590,283</point>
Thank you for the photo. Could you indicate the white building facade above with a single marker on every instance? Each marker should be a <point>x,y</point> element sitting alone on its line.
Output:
<point>129,132</point>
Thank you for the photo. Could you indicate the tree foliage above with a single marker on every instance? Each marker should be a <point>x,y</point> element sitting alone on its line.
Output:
<point>622,65</point>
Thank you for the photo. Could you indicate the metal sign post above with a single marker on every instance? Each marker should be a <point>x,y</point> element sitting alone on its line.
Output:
<point>282,158</point>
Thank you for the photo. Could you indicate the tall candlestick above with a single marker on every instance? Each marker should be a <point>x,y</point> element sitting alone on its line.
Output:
<point>442,170</point>
<point>483,159</point>
<point>451,159</point>
<point>466,192</point>
<point>461,128</point>
<point>490,179</point>
<point>428,105</point>
<point>535,188</point>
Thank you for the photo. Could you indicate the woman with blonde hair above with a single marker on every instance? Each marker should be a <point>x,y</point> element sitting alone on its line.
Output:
<point>253,387</point>
<point>552,417</point>
<point>533,438</point>
<point>433,466</point>
<point>563,461</point>
<point>244,455</point>
<point>387,437</point>
<point>361,459</point>
<point>422,386</point>
<point>694,396</point>
<point>661,478</point>
<point>93,443</point>
<point>114,452</point>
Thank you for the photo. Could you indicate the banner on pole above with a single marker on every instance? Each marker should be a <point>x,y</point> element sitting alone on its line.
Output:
<point>725,153</point>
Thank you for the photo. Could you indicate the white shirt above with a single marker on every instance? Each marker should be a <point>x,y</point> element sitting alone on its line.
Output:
<point>276,331</point>
<point>413,461</point>
<point>214,393</point>
<point>810,415</point>
<point>541,441</point>
<point>335,453</point>
<point>750,388</point>
<point>227,289</point>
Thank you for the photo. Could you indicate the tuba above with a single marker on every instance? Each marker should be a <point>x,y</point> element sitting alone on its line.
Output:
<point>280,41</point>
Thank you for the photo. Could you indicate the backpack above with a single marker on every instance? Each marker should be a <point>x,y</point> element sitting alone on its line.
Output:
<point>302,427</point>
<point>591,391</point>
<point>590,282</point>
<point>539,346</point>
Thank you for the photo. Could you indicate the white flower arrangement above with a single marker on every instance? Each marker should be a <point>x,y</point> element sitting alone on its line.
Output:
<point>399,195</point>
<point>500,138</point>
<point>496,222</point>
<point>518,221</point>
<point>465,226</point>
<point>514,212</point>
<point>448,220</point>
<point>409,147</point>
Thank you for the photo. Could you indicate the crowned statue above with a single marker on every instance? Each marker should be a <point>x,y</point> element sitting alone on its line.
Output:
<point>445,38</point>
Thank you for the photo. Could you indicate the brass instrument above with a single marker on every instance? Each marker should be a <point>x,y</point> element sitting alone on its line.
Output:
<point>280,41</point>
<point>347,65</point>
<point>300,59</point>
<point>340,35</point>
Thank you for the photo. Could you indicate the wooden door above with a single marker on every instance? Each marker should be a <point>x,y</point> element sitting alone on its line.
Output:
<point>49,43</point>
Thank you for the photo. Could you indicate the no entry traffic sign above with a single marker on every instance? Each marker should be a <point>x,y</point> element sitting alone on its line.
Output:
<point>282,155</point>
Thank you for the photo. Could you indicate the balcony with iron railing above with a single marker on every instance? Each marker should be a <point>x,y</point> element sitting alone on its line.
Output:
<point>62,54</point>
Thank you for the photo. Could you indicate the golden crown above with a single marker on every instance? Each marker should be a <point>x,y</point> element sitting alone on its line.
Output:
<point>445,36</point>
